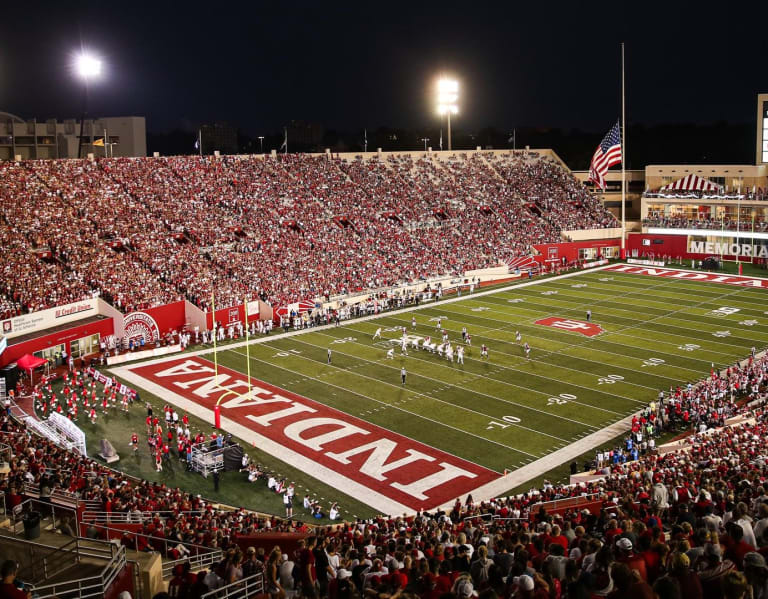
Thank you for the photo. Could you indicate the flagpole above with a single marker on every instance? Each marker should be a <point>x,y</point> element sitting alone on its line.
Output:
<point>738,223</point>
<point>623,161</point>
<point>105,143</point>
<point>247,345</point>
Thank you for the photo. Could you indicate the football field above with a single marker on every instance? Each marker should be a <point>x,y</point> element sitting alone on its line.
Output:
<point>456,428</point>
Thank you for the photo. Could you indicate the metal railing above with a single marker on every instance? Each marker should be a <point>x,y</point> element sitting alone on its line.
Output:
<point>60,496</point>
<point>159,544</point>
<point>135,517</point>
<point>47,510</point>
<point>84,588</point>
<point>38,562</point>
<point>196,562</point>
<point>242,589</point>
<point>564,502</point>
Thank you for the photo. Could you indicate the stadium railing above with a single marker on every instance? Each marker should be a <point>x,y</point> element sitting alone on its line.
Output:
<point>566,503</point>
<point>196,562</point>
<point>59,496</point>
<point>44,508</point>
<point>85,588</point>
<point>247,587</point>
<point>160,544</point>
<point>101,517</point>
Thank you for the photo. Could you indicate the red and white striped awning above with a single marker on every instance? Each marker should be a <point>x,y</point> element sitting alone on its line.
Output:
<point>692,183</point>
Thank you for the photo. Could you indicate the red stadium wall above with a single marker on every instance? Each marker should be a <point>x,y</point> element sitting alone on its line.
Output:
<point>170,317</point>
<point>570,250</point>
<point>674,246</point>
<point>226,316</point>
<point>14,352</point>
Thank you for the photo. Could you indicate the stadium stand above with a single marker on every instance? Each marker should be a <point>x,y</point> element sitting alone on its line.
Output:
<point>691,517</point>
<point>148,231</point>
<point>727,224</point>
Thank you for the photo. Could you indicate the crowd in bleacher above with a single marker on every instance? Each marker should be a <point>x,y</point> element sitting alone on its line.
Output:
<point>727,224</point>
<point>147,231</point>
<point>691,522</point>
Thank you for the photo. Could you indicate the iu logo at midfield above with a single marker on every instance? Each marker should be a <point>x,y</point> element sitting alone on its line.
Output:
<point>576,326</point>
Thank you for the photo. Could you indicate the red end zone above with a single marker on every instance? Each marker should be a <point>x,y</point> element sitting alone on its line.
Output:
<point>588,329</point>
<point>398,468</point>
<point>688,275</point>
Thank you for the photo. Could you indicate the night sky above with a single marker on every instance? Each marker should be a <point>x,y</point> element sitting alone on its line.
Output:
<point>367,64</point>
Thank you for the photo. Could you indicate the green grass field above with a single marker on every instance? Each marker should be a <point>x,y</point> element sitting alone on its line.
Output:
<point>507,411</point>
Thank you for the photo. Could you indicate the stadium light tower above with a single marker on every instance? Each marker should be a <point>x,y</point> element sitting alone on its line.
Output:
<point>88,68</point>
<point>447,101</point>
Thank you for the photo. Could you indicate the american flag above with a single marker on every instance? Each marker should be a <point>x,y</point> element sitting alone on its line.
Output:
<point>607,154</point>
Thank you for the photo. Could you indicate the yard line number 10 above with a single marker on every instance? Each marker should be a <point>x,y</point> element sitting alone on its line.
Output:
<point>561,399</point>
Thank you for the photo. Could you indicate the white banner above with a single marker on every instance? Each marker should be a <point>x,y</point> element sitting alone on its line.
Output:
<point>747,250</point>
<point>594,263</point>
<point>107,382</point>
<point>644,262</point>
<point>46,319</point>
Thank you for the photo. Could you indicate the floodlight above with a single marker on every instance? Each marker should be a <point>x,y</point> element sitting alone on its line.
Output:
<point>447,101</point>
<point>87,66</point>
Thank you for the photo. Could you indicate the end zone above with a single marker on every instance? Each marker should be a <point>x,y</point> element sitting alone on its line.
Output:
<point>391,472</point>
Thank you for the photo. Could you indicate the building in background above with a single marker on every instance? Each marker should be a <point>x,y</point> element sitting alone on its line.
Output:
<point>33,139</point>
<point>762,129</point>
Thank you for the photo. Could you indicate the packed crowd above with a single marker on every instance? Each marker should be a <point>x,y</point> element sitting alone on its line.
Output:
<point>728,224</point>
<point>686,523</point>
<point>147,231</point>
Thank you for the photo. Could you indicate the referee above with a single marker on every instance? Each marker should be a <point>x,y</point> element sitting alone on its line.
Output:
<point>403,374</point>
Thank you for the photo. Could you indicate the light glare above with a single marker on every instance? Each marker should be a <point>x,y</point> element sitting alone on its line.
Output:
<point>88,66</point>
<point>447,96</point>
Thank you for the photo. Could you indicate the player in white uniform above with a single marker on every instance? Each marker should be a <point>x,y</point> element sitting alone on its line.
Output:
<point>527,349</point>
<point>464,333</point>
<point>391,353</point>
<point>439,323</point>
<point>377,334</point>
<point>460,355</point>
<point>518,336</point>
<point>413,322</point>
<point>404,347</point>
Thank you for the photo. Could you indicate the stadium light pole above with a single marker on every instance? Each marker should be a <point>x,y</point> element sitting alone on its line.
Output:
<point>447,98</point>
<point>261,144</point>
<point>425,140</point>
<point>87,67</point>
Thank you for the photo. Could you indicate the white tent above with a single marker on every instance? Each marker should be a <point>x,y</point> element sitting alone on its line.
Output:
<point>692,183</point>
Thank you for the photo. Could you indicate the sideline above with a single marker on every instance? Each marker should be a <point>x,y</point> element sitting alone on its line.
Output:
<point>348,486</point>
<point>272,337</point>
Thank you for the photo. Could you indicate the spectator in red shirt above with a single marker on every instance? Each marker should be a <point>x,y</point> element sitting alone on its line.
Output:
<point>737,548</point>
<point>625,555</point>
<point>8,588</point>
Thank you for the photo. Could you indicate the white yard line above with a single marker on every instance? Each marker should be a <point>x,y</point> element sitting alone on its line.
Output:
<point>600,337</point>
<point>328,476</point>
<point>501,308</point>
<point>550,461</point>
<point>485,330</point>
<point>378,502</point>
<point>268,338</point>
<point>442,364</point>
<point>513,369</point>
<point>392,405</point>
